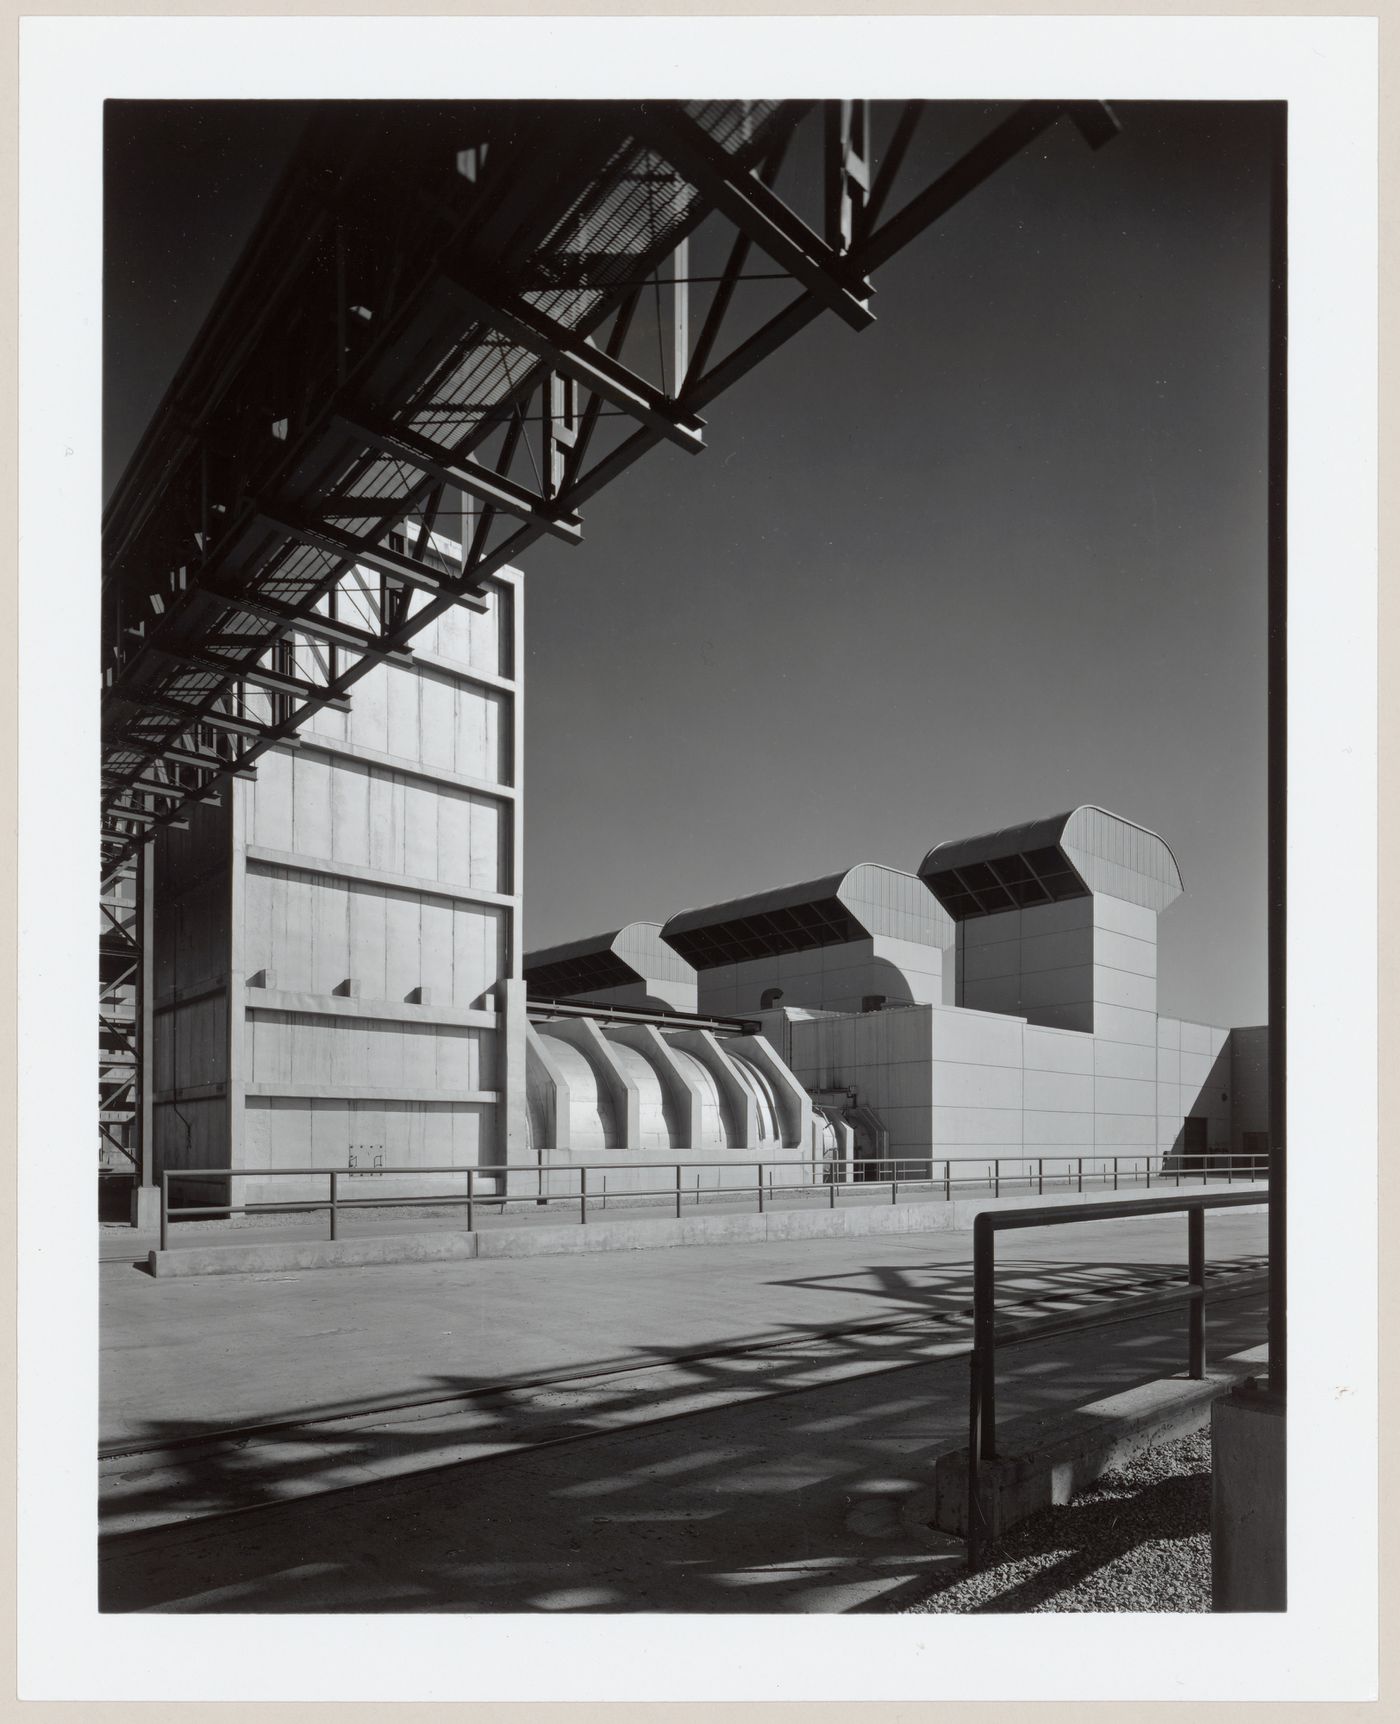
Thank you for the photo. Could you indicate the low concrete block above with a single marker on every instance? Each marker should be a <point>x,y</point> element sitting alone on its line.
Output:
<point>1049,1458</point>
<point>145,1207</point>
<point>1248,1503</point>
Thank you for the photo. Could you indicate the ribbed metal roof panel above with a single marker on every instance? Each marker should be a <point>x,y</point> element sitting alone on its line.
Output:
<point>867,900</point>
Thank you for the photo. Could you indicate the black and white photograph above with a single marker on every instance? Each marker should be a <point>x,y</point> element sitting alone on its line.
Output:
<point>727,745</point>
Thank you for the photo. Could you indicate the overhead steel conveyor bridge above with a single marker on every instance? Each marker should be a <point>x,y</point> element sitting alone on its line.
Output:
<point>427,284</point>
<point>468,313</point>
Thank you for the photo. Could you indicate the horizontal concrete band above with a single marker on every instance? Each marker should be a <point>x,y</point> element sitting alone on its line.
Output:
<point>366,1009</point>
<point>301,863</point>
<point>370,1092</point>
<point>404,766</point>
<point>445,1244</point>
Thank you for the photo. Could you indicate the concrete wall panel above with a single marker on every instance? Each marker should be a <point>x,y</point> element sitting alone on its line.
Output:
<point>1126,1024</point>
<point>1125,1131</point>
<point>311,805</point>
<point>350,823</point>
<point>978,1038</point>
<point>984,963</point>
<point>272,803</point>
<point>1122,952</point>
<point>1195,1038</point>
<point>1057,1050</point>
<point>969,1086</point>
<point>1120,988</point>
<point>1064,1092</point>
<point>1063,987</point>
<point>1058,1130</point>
<point>1116,915</point>
<point>402,729</point>
<point>420,829</point>
<point>1001,994</point>
<point>983,1127</point>
<point>437,715</point>
<point>1124,1096</point>
<point>1069,948</point>
<point>1125,1060</point>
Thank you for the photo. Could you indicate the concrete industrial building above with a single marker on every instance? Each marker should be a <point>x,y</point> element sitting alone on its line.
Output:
<point>340,984</point>
<point>1054,1047</point>
<point>1041,1039</point>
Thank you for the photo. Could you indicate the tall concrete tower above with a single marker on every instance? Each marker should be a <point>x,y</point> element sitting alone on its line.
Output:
<point>337,946</point>
<point>1057,920</point>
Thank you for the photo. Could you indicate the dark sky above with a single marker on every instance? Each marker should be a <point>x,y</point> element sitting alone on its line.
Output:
<point>998,555</point>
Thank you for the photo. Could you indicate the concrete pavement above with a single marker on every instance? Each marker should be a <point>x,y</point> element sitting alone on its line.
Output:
<point>807,1496</point>
<point>185,1357</point>
<point>787,1477</point>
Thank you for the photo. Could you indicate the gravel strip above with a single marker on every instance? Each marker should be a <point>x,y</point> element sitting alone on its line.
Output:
<point>1137,1539</point>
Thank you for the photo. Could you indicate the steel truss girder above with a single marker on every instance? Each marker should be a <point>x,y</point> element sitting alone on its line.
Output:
<point>215,763</point>
<point>589,366</point>
<point>759,213</point>
<point>352,550</point>
<point>467,475</point>
<point>260,676</point>
<point>367,420</point>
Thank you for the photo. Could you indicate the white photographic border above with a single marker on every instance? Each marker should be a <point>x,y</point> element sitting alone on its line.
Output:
<point>1324,1647</point>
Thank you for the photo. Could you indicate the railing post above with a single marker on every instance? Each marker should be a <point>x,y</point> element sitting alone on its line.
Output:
<point>947,1182</point>
<point>1081,1173</point>
<point>335,1204</point>
<point>1115,1173</point>
<point>1196,1276</point>
<point>1147,1164</point>
<point>1040,1176</point>
<point>981,1424</point>
<point>974,1444</point>
<point>471,1198</point>
<point>996,1176</point>
<point>164,1210</point>
<point>760,1188</point>
<point>894,1191</point>
<point>984,1335</point>
<point>678,1191</point>
<point>583,1196</point>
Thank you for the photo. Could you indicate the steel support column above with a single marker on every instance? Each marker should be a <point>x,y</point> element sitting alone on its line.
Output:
<point>145,1022</point>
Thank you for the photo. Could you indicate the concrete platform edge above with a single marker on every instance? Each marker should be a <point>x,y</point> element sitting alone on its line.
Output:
<point>274,1256</point>
<point>1048,1459</point>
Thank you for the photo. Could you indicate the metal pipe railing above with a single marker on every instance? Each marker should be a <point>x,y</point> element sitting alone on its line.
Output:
<point>987,1335</point>
<point>910,1174</point>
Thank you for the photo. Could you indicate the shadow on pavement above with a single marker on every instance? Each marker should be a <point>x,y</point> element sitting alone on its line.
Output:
<point>752,1484</point>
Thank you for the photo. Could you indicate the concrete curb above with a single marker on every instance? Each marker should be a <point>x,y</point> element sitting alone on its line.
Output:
<point>446,1245</point>
<point>1049,1458</point>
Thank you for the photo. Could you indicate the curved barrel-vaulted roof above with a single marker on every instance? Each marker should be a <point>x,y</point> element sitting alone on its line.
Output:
<point>1042,861</point>
<point>631,954</point>
<point>862,901</point>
